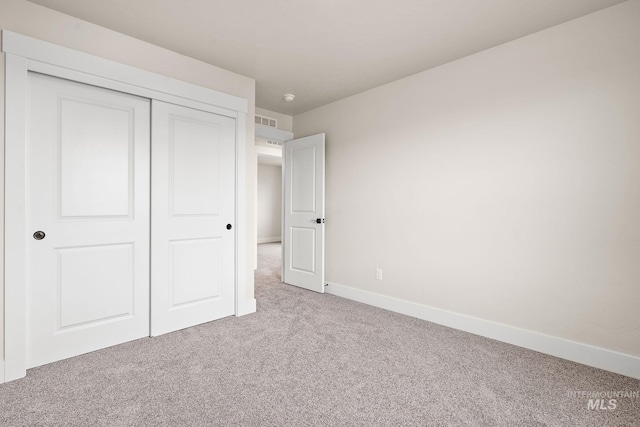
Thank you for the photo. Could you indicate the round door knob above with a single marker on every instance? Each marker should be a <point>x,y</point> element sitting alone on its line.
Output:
<point>39,235</point>
<point>229,226</point>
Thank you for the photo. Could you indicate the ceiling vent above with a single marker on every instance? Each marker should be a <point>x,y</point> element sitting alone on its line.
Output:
<point>266,121</point>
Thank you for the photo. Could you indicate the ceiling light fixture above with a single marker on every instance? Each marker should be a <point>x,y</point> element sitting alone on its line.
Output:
<point>289,97</point>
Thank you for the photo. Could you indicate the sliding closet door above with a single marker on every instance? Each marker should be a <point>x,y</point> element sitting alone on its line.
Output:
<point>88,218</point>
<point>193,211</point>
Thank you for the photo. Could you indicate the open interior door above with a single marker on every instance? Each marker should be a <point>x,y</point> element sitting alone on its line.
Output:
<point>303,214</point>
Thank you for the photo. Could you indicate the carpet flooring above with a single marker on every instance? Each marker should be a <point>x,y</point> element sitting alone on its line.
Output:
<point>307,359</point>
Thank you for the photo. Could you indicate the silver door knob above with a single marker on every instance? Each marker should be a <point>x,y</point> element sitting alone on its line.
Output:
<point>39,235</point>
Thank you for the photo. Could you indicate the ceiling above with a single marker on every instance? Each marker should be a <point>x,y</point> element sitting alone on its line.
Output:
<point>269,160</point>
<point>325,50</point>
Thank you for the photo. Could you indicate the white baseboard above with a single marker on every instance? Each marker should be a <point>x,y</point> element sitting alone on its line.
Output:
<point>1,371</point>
<point>269,239</point>
<point>246,306</point>
<point>586,354</point>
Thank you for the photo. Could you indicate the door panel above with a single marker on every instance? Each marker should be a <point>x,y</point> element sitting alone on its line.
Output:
<point>303,184</point>
<point>194,158</point>
<point>193,187</point>
<point>195,264</point>
<point>107,296</point>
<point>88,191</point>
<point>303,261</point>
<point>99,184</point>
<point>303,243</point>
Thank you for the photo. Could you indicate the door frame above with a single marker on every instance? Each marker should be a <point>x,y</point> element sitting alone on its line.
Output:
<point>24,54</point>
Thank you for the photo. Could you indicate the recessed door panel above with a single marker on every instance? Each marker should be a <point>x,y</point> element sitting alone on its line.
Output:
<point>303,188</point>
<point>88,209</point>
<point>193,201</point>
<point>195,166</point>
<point>95,158</point>
<point>303,249</point>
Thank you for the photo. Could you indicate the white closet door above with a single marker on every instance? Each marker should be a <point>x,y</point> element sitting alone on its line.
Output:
<point>88,195</point>
<point>193,211</point>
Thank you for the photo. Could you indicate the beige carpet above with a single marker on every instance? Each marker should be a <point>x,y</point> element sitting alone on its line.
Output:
<point>307,359</point>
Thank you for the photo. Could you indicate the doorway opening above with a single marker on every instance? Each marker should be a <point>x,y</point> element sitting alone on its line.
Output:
<point>268,274</point>
<point>269,220</point>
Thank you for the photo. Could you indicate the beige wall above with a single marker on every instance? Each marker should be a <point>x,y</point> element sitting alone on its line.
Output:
<point>504,186</point>
<point>269,202</point>
<point>32,20</point>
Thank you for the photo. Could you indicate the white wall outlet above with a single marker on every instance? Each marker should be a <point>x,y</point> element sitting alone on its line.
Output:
<point>378,274</point>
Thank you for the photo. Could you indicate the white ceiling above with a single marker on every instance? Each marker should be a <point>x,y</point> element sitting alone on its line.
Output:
<point>325,50</point>
<point>269,160</point>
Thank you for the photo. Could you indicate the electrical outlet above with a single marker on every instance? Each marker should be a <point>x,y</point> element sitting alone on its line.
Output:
<point>378,274</point>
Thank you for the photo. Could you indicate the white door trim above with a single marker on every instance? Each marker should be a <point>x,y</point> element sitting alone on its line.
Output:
<point>24,54</point>
<point>53,54</point>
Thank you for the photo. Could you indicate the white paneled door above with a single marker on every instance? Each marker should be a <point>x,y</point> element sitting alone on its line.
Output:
<point>193,211</point>
<point>129,237</point>
<point>88,212</point>
<point>303,261</point>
